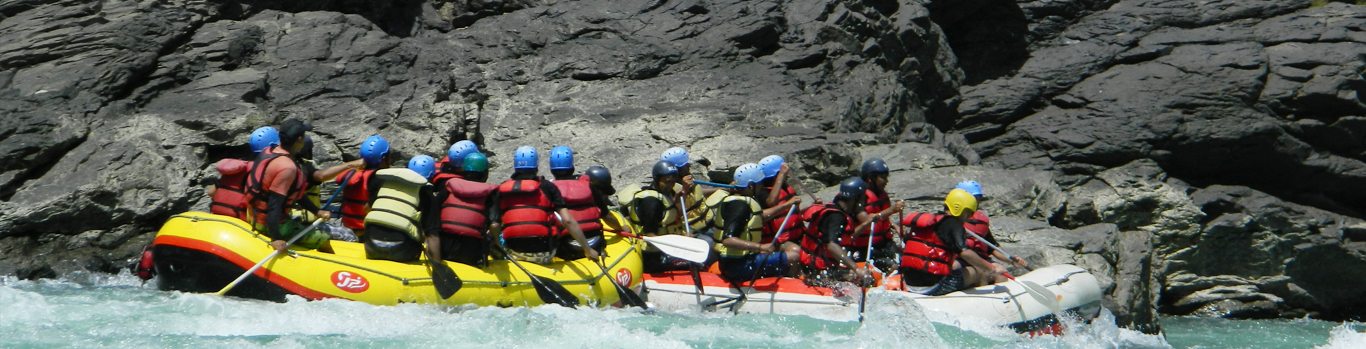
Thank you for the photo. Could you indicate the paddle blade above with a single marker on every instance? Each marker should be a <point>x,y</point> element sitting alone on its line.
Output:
<point>552,292</point>
<point>1042,295</point>
<point>628,297</point>
<point>682,247</point>
<point>445,280</point>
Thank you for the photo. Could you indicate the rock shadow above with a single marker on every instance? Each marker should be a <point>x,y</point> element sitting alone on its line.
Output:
<point>990,37</point>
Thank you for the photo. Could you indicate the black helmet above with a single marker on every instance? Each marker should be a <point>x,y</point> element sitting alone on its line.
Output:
<point>598,176</point>
<point>873,167</point>
<point>664,168</point>
<point>851,188</point>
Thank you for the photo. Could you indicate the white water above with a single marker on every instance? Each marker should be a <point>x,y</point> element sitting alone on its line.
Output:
<point>96,310</point>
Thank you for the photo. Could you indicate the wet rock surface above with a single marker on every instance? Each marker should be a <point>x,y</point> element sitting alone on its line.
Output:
<point>1199,157</point>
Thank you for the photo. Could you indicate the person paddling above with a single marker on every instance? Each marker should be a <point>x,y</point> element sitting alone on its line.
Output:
<point>818,243</point>
<point>275,183</point>
<point>525,209</point>
<point>361,184</point>
<point>394,227</point>
<point>740,225</point>
<point>777,196</point>
<point>698,215</point>
<point>980,224</point>
<point>313,194</point>
<point>655,211</point>
<point>463,206</point>
<point>878,209</point>
<point>930,261</point>
<point>581,198</point>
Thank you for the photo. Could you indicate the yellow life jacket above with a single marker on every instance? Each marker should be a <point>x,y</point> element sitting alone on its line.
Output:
<point>314,192</point>
<point>669,225</point>
<point>754,230</point>
<point>699,214</point>
<point>396,204</point>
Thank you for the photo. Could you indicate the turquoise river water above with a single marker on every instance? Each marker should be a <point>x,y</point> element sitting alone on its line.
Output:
<point>99,310</point>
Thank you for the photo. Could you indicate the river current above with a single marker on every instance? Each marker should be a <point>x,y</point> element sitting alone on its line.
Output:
<point>100,310</point>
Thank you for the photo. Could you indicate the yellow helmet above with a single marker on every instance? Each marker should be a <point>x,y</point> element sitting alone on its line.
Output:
<point>959,200</point>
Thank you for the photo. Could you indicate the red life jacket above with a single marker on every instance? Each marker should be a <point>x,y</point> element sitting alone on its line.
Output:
<point>230,196</point>
<point>463,212</point>
<point>924,251</point>
<point>812,241</point>
<point>526,210</point>
<point>257,188</point>
<point>355,198</point>
<point>981,225</point>
<point>876,203</point>
<point>578,197</point>
<point>772,227</point>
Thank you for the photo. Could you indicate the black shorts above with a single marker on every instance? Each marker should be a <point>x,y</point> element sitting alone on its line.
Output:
<point>465,250</point>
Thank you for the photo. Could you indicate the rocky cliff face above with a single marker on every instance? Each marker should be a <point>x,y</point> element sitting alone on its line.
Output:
<point>1202,157</point>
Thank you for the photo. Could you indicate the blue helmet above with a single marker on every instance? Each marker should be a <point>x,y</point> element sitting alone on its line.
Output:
<point>851,188</point>
<point>373,150</point>
<point>263,138</point>
<point>476,162</point>
<point>456,155</point>
<point>771,164</point>
<point>561,158</point>
<point>423,165</point>
<point>748,174</point>
<point>873,167</point>
<point>678,156</point>
<point>525,158</point>
<point>972,187</point>
<point>663,168</point>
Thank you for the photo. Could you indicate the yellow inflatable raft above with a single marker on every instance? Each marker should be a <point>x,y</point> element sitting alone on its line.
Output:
<point>202,252</point>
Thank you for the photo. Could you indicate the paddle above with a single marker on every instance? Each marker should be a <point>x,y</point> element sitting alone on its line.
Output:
<point>270,257</point>
<point>692,267</point>
<point>445,280</point>
<point>551,292</point>
<point>1040,294</point>
<point>808,191</point>
<point>627,297</point>
<point>867,261</point>
<point>682,247</point>
<point>718,185</point>
<point>291,242</point>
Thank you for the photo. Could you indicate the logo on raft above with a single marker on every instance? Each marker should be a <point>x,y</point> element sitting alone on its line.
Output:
<point>623,277</point>
<point>350,282</point>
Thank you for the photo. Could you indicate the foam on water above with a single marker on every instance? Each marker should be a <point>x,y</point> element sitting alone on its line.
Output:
<point>99,310</point>
<point>1346,336</point>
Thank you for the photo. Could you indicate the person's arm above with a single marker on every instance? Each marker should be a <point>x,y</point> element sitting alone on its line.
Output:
<point>330,173</point>
<point>951,232</point>
<point>776,193</point>
<point>495,215</point>
<point>431,212</point>
<point>736,215</point>
<point>774,212</point>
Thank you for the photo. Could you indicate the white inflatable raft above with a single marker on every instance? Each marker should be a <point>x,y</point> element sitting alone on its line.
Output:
<point>1006,304</point>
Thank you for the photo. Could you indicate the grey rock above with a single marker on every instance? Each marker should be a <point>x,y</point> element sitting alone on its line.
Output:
<point>1219,91</point>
